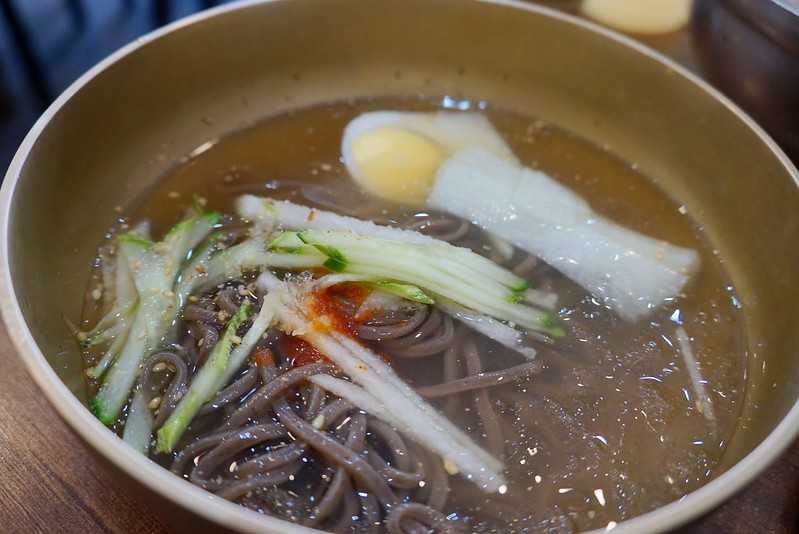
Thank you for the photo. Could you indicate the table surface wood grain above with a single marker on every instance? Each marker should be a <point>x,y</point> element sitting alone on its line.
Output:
<point>51,482</point>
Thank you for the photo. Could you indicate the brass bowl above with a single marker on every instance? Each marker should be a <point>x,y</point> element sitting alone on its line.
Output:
<point>130,118</point>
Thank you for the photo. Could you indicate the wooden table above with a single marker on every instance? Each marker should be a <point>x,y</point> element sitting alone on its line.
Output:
<point>50,482</point>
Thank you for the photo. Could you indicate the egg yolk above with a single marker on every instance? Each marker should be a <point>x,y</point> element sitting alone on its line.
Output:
<point>396,164</point>
<point>639,16</point>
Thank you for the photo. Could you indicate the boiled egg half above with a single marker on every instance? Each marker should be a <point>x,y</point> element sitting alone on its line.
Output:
<point>395,155</point>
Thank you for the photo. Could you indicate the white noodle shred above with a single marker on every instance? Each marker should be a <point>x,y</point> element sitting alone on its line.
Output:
<point>500,246</point>
<point>500,332</point>
<point>547,300</point>
<point>290,216</point>
<point>703,402</point>
<point>398,404</point>
<point>266,282</point>
<point>379,301</point>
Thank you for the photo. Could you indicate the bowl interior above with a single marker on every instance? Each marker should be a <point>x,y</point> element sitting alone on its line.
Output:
<point>111,140</point>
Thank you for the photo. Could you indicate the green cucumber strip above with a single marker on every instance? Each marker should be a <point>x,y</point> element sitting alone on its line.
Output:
<point>110,356</point>
<point>420,266</point>
<point>120,378</point>
<point>286,241</point>
<point>459,278</point>
<point>204,386</point>
<point>406,291</point>
<point>139,424</point>
<point>196,269</point>
<point>336,261</point>
<point>183,238</point>
<point>260,324</point>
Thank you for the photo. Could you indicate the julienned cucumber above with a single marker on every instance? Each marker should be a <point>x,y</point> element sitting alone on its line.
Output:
<point>153,268</point>
<point>204,386</point>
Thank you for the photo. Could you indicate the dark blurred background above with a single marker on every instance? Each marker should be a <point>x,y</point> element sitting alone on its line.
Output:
<point>747,48</point>
<point>47,44</point>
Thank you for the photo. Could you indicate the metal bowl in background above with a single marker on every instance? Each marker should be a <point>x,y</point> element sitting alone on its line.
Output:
<point>778,19</point>
<point>123,124</point>
<point>749,49</point>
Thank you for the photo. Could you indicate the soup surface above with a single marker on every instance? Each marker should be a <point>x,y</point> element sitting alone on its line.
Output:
<point>611,426</point>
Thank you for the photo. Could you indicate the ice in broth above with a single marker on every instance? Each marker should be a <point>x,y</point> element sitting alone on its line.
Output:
<point>607,423</point>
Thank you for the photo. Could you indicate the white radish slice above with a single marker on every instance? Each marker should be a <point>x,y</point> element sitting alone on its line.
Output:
<point>371,373</point>
<point>630,272</point>
<point>291,216</point>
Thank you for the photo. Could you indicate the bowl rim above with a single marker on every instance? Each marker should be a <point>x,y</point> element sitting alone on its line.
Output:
<point>222,512</point>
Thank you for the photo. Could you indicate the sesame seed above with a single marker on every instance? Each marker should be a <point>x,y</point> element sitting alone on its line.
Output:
<point>171,368</point>
<point>450,467</point>
<point>82,336</point>
<point>118,209</point>
<point>88,372</point>
<point>154,403</point>
<point>169,294</point>
<point>193,298</point>
<point>173,194</point>
<point>318,422</point>
<point>159,367</point>
<point>201,342</point>
<point>97,293</point>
